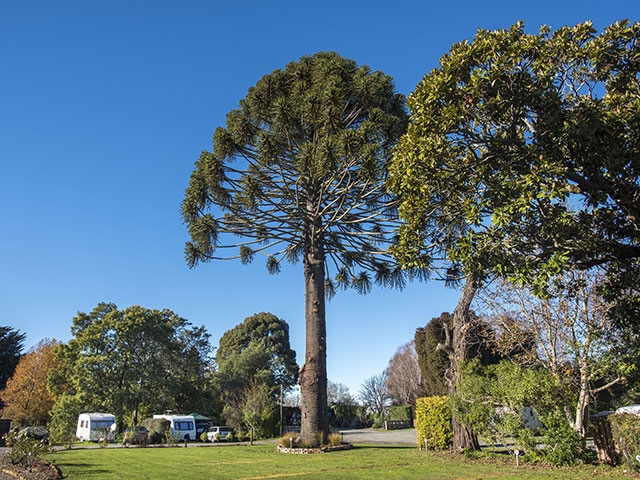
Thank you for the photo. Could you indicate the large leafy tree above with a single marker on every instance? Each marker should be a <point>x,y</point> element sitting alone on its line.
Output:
<point>26,397</point>
<point>257,350</point>
<point>522,157</point>
<point>11,345</point>
<point>253,358</point>
<point>298,173</point>
<point>133,363</point>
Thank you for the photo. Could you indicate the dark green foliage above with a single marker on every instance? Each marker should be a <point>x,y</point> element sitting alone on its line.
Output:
<point>563,445</point>
<point>254,359</point>
<point>132,363</point>
<point>401,412</point>
<point>433,362</point>
<point>313,140</point>
<point>257,350</point>
<point>11,345</point>
<point>625,430</point>
<point>158,429</point>
<point>64,419</point>
<point>346,416</point>
<point>522,158</point>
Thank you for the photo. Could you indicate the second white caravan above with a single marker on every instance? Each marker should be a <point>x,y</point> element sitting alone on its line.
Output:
<point>183,427</point>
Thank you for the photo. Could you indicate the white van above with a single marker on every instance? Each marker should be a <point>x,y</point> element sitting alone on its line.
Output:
<point>93,427</point>
<point>183,427</point>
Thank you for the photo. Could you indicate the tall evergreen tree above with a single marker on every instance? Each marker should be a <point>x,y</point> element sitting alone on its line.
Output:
<point>298,173</point>
<point>11,345</point>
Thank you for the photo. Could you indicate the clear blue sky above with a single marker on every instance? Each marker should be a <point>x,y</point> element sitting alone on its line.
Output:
<point>106,104</point>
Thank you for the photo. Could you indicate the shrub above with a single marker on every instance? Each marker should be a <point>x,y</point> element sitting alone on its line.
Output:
<point>401,412</point>
<point>563,445</point>
<point>344,415</point>
<point>25,451</point>
<point>625,429</point>
<point>288,440</point>
<point>158,429</point>
<point>433,422</point>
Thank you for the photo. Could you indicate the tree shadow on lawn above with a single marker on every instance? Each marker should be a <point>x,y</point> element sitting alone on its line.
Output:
<point>383,446</point>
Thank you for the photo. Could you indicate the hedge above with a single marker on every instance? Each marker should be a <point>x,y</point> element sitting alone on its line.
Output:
<point>433,423</point>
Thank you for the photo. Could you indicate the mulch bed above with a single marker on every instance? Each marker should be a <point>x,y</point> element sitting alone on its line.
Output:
<point>39,471</point>
<point>307,451</point>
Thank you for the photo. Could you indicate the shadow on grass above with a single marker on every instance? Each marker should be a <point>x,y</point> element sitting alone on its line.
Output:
<point>382,446</point>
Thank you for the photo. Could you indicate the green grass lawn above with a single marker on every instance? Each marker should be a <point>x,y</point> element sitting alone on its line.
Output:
<point>263,461</point>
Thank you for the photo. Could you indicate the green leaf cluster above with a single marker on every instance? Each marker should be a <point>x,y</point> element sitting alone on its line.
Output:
<point>491,398</point>
<point>257,350</point>
<point>133,363</point>
<point>522,157</point>
<point>625,430</point>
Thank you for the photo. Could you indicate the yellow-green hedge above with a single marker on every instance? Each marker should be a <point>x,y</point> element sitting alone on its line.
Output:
<point>433,422</point>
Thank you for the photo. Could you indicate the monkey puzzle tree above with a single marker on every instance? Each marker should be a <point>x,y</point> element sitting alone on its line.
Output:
<point>298,173</point>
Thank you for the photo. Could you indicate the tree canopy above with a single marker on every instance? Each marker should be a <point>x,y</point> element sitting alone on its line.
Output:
<point>574,340</point>
<point>11,344</point>
<point>522,157</point>
<point>27,399</point>
<point>298,173</point>
<point>132,363</point>
<point>257,350</point>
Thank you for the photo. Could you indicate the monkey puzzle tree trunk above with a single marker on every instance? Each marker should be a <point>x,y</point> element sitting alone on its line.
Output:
<point>457,349</point>
<point>313,373</point>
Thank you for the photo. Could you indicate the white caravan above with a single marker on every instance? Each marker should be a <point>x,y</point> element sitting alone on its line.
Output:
<point>94,426</point>
<point>183,427</point>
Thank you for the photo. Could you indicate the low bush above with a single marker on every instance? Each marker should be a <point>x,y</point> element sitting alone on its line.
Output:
<point>159,429</point>
<point>563,446</point>
<point>433,422</point>
<point>26,452</point>
<point>625,429</point>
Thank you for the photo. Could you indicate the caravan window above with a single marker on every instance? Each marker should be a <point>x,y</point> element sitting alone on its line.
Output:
<point>182,426</point>
<point>100,424</point>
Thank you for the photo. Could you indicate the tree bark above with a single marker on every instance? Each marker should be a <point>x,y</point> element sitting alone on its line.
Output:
<point>457,349</point>
<point>313,373</point>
